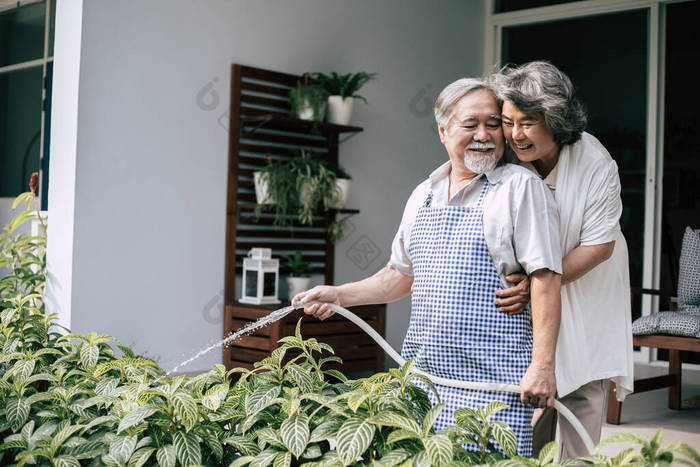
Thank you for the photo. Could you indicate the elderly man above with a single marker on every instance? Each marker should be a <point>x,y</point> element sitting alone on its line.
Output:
<point>464,229</point>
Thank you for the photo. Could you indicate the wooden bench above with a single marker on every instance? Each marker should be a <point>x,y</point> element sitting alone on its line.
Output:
<point>672,380</point>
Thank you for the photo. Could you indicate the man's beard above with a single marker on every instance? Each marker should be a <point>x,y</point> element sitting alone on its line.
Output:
<point>480,162</point>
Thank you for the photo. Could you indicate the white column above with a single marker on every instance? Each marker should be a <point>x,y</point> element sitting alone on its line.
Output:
<point>63,150</point>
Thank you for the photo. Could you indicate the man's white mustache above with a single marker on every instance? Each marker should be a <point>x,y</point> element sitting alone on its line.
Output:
<point>481,147</point>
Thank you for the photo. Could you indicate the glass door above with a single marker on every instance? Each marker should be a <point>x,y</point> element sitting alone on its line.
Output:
<point>606,57</point>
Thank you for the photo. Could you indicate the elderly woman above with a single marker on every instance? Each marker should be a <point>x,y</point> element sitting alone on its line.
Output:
<point>543,124</point>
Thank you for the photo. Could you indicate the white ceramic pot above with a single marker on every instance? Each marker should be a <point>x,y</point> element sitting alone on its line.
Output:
<point>343,185</point>
<point>297,285</point>
<point>262,195</point>
<point>339,109</point>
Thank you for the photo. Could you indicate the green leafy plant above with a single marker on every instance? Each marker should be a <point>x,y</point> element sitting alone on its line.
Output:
<point>344,85</point>
<point>301,188</point>
<point>296,264</point>
<point>68,400</point>
<point>309,100</point>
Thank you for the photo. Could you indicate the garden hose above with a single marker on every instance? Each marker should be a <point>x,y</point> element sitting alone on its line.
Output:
<point>495,387</point>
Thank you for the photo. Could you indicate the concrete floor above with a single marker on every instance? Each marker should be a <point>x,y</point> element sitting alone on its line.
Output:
<point>646,412</point>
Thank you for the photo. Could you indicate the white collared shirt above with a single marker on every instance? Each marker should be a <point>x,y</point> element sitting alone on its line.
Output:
<point>521,224</point>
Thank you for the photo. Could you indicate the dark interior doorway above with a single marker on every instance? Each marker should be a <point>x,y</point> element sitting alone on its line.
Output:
<point>681,182</point>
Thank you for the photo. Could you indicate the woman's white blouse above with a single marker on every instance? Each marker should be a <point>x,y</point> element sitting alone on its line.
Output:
<point>520,219</point>
<point>595,336</point>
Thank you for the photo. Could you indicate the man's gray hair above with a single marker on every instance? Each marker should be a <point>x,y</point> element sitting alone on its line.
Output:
<point>453,92</point>
<point>540,87</point>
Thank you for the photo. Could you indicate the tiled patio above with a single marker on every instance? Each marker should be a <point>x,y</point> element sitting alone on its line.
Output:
<point>646,412</point>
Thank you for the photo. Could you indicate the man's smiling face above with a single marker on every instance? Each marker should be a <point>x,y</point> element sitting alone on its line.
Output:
<point>474,136</point>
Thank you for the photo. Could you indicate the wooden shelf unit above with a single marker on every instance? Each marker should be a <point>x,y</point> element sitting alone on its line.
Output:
<point>260,128</point>
<point>357,350</point>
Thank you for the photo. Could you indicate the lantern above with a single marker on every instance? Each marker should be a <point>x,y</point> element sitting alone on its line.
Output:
<point>260,277</point>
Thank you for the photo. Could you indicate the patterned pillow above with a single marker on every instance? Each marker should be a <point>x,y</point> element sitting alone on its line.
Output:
<point>689,273</point>
<point>646,324</point>
<point>668,322</point>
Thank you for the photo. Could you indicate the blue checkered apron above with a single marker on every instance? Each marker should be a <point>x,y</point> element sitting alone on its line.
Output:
<point>455,330</point>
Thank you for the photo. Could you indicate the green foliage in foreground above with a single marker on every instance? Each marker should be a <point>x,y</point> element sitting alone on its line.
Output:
<point>68,400</point>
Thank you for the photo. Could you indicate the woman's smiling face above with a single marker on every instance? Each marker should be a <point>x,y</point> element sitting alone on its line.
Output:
<point>527,134</point>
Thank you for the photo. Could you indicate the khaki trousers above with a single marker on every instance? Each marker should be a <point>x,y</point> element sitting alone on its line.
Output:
<point>588,404</point>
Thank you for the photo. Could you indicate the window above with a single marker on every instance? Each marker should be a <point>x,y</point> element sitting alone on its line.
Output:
<point>26,55</point>
<point>503,6</point>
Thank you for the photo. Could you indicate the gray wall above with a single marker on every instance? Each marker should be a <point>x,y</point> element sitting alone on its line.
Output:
<point>148,260</point>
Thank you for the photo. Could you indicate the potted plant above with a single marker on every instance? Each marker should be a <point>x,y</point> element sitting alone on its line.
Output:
<point>309,100</point>
<point>342,182</point>
<point>276,185</point>
<point>298,279</point>
<point>302,187</point>
<point>342,89</point>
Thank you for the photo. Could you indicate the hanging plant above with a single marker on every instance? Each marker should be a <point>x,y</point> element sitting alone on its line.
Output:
<point>309,100</point>
<point>302,188</point>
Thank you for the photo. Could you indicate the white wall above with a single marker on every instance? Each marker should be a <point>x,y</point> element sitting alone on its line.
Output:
<point>148,261</point>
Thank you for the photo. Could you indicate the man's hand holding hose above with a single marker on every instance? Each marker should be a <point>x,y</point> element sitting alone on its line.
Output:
<point>386,286</point>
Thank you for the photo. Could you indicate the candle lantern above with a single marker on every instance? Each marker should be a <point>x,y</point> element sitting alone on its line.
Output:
<point>260,277</point>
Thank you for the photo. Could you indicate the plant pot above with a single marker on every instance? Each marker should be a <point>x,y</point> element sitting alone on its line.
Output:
<point>306,112</point>
<point>297,285</point>
<point>262,195</point>
<point>340,109</point>
<point>343,185</point>
<point>305,193</point>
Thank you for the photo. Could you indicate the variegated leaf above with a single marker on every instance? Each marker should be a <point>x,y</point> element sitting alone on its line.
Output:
<point>301,377</point>
<point>122,447</point>
<point>312,451</point>
<point>548,452</point>
<point>22,369</point>
<point>356,399</point>
<point>283,459</point>
<point>354,437</point>
<point>400,435</point>
<point>431,416</point>
<point>392,458</point>
<point>270,436</point>
<point>243,444</point>
<point>421,460</point>
<point>493,407</point>
<point>136,416</point>
<point>186,408</point>
<point>260,397</point>
<point>17,412</point>
<point>141,456</point>
<point>387,418</point>
<point>294,432</point>
<point>89,353</point>
<point>264,458</point>
<point>439,449</point>
<point>187,448</point>
<point>505,437</point>
<point>325,430</point>
<point>166,456</point>
<point>66,461</point>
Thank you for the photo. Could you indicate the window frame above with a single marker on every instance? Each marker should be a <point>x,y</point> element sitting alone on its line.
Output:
<point>43,61</point>
<point>493,33</point>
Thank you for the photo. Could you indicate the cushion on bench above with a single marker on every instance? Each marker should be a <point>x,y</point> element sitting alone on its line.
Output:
<point>668,322</point>
<point>689,273</point>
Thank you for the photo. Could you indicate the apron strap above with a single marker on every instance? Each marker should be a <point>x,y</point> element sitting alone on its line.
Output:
<point>483,192</point>
<point>429,198</point>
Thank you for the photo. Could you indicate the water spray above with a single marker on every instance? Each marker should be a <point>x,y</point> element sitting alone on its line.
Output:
<point>477,386</point>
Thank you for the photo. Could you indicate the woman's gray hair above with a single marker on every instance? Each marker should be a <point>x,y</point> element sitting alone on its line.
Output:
<point>540,87</point>
<point>453,92</point>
